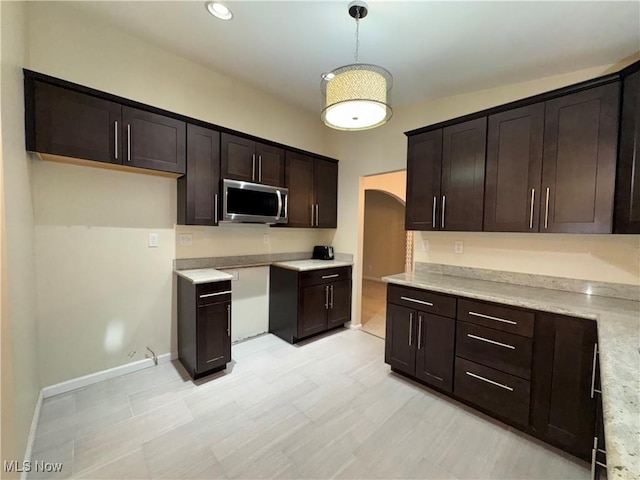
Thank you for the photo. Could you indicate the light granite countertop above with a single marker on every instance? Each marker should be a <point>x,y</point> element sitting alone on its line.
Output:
<point>305,265</point>
<point>618,342</point>
<point>204,275</point>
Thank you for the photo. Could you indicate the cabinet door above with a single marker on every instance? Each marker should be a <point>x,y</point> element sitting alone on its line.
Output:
<point>154,141</point>
<point>514,169</point>
<point>434,354</point>
<point>314,303</point>
<point>213,336</point>
<point>325,174</point>
<point>299,181</point>
<point>75,125</point>
<point>424,166</point>
<point>198,190</point>
<point>578,167</point>
<point>462,191</point>
<point>238,159</point>
<point>563,408</point>
<point>400,341</point>
<point>339,303</point>
<point>270,165</point>
<point>627,209</point>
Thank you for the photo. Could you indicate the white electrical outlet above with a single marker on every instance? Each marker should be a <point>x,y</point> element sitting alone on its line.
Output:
<point>185,239</point>
<point>425,245</point>
<point>265,239</point>
<point>236,275</point>
<point>153,240</point>
<point>458,246</point>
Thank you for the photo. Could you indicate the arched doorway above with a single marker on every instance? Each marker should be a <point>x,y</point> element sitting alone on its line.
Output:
<point>385,247</point>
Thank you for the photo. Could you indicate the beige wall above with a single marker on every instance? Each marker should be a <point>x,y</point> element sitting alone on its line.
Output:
<point>102,292</point>
<point>384,243</point>
<point>20,388</point>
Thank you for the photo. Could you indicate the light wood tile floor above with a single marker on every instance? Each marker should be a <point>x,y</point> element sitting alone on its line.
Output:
<point>374,307</point>
<point>328,408</point>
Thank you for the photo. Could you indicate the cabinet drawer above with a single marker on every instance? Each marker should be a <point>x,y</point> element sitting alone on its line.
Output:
<point>422,300</point>
<point>503,351</point>
<point>507,319</point>
<point>325,275</point>
<point>503,394</point>
<point>214,292</point>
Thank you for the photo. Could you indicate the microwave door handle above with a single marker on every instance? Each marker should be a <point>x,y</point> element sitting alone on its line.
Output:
<point>286,206</point>
<point>279,204</point>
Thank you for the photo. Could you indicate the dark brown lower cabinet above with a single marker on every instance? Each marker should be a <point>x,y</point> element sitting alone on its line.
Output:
<point>204,326</point>
<point>420,344</point>
<point>563,401</point>
<point>535,371</point>
<point>305,303</point>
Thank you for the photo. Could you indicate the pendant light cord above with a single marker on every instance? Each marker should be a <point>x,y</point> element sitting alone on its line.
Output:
<point>357,32</point>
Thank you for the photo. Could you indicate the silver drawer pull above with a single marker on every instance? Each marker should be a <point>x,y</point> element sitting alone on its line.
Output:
<point>489,317</point>
<point>435,376</point>
<point>214,359</point>
<point>330,276</point>
<point>489,381</point>
<point>482,339</point>
<point>428,304</point>
<point>214,294</point>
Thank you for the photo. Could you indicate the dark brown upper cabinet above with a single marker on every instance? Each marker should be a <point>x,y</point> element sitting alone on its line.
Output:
<point>313,191</point>
<point>153,141</point>
<point>198,190</point>
<point>627,202</point>
<point>579,161</point>
<point>462,187</point>
<point>249,161</point>
<point>72,124</point>
<point>424,167</point>
<point>445,178</point>
<point>76,125</point>
<point>514,170</point>
<point>563,403</point>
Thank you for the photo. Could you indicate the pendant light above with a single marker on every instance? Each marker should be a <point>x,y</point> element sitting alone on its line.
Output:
<point>356,96</point>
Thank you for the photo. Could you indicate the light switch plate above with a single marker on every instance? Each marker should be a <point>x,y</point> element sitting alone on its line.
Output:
<point>425,245</point>
<point>265,239</point>
<point>236,275</point>
<point>153,240</point>
<point>458,246</point>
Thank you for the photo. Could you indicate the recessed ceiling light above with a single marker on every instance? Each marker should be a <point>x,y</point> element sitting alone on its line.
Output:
<point>219,10</point>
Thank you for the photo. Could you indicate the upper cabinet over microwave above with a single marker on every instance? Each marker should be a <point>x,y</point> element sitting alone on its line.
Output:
<point>249,161</point>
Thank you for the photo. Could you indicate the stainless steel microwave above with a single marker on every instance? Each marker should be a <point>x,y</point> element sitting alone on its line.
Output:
<point>245,202</point>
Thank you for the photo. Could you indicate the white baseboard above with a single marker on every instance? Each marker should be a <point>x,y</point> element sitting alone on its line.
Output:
<point>355,327</point>
<point>32,433</point>
<point>96,377</point>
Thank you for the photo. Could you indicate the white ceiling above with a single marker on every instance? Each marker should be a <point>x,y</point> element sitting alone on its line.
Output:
<point>433,49</point>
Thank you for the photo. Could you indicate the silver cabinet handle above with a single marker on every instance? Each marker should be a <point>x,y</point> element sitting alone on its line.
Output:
<point>215,208</point>
<point>419,332</point>
<point>546,211</point>
<point>317,215</point>
<point>331,301</point>
<point>326,297</point>
<point>482,339</point>
<point>435,376</point>
<point>593,369</point>
<point>421,302</point>
<point>253,167</point>
<point>533,196</point>
<point>260,168</point>
<point>593,458</point>
<point>215,294</point>
<point>324,277</point>
<point>214,359</point>
<point>128,142</point>
<point>115,130</point>
<point>489,317</point>
<point>506,387</point>
<point>228,320</point>
<point>444,202</point>
<point>410,328</point>
<point>433,213</point>
<point>312,215</point>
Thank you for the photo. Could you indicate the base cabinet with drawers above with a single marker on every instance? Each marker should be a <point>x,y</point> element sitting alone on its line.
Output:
<point>306,303</point>
<point>535,371</point>
<point>204,326</point>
